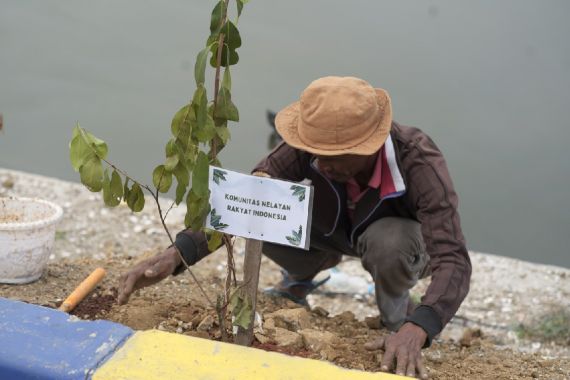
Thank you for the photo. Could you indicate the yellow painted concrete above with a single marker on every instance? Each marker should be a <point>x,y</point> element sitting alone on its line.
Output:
<point>159,355</point>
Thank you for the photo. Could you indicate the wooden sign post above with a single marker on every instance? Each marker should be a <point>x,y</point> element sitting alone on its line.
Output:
<point>251,266</point>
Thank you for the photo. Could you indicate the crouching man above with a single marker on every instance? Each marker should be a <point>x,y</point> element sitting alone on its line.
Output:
<point>382,193</point>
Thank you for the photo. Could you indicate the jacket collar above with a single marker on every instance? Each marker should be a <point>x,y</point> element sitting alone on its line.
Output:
<point>392,186</point>
<point>392,183</point>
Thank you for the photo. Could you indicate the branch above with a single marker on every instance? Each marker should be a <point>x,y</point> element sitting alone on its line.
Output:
<point>162,219</point>
<point>169,208</point>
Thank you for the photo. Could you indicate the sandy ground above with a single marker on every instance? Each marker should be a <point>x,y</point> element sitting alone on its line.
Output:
<point>480,342</point>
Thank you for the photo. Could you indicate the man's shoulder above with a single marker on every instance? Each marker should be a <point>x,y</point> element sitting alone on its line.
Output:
<point>284,162</point>
<point>405,133</point>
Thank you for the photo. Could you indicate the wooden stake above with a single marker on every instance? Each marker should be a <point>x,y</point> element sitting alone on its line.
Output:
<point>251,266</point>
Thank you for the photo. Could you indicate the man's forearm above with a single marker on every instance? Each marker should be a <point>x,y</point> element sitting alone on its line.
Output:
<point>193,246</point>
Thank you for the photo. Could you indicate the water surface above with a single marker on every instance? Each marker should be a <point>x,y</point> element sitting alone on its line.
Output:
<point>488,80</point>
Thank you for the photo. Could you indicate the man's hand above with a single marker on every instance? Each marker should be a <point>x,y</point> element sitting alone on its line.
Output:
<point>147,273</point>
<point>404,347</point>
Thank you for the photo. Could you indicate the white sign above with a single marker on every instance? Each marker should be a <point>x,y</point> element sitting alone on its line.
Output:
<point>260,208</point>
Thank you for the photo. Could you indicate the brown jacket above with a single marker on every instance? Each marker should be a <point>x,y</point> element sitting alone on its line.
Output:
<point>427,195</point>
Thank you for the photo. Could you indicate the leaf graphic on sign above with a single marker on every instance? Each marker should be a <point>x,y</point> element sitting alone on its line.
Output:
<point>298,191</point>
<point>219,175</point>
<point>297,236</point>
<point>216,221</point>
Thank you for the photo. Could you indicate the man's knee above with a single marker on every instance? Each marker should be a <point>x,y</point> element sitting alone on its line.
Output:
<point>391,241</point>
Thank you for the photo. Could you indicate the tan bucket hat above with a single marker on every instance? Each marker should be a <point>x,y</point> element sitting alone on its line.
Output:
<point>337,115</point>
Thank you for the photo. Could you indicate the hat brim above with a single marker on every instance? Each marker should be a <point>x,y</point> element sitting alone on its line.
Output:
<point>287,123</point>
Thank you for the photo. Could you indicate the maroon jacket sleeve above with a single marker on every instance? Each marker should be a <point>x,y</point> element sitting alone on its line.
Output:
<point>432,191</point>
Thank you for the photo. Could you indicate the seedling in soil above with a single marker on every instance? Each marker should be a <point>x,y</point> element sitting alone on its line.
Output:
<point>199,132</point>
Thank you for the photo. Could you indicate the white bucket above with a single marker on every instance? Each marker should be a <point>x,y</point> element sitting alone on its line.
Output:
<point>27,233</point>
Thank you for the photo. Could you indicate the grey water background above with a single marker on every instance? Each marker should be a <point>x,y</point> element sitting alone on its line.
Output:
<point>488,80</point>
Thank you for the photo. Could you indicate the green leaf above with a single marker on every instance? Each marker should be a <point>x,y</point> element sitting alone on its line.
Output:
<point>200,106</point>
<point>239,7</point>
<point>126,190</point>
<point>84,146</point>
<point>108,197</point>
<point>190,156</point>
<point>200,67</point>
<point>91,173</point>
<point>225,108</point>
<point>181,125</point>
<point>235,299</point>
<point>171,162</point>
<point>197,210</point>
<point>232,60</point>
<point>116,186</point>
<point>194,203</point>
<point>212,43</point>
<point>206,132</point>
<point>174,147</point>
<point>214,240</point>
<point>161,178</point>
<point>216,19</point>
<point>76,131</point>
<point>242,309</point>
<point>224,134</point>
<point>240,4</point>
<point>135,201</point>
<point>180,191</point>
<point>227,80</point>
<point>232,37</point>
<point>183,178</point>
<point>99,146</point>
<point>200,175</point>
<point>79,150</point>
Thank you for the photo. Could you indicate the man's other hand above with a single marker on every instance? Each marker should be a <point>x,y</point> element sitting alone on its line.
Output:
<point>147,272</point>
<point>404,348</point>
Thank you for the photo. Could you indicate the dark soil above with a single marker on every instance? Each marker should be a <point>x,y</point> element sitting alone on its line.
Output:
<point>97,305</point>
